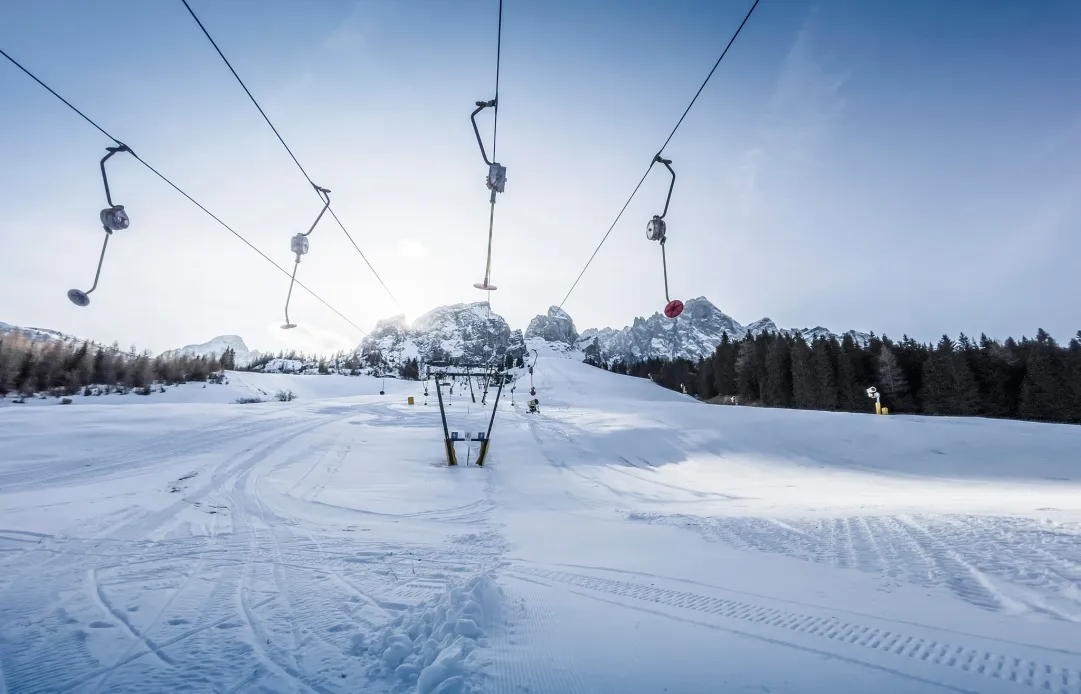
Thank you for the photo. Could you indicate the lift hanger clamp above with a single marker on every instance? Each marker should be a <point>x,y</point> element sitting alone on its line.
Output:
<point>497,173</point>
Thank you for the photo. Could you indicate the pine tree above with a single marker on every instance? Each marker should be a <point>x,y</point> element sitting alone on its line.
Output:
<point>724,366</point>
<point>966,401</point>
<point>803,376</point>
<point>228,359</point>
<point>990,365</point>
<point>1073,378</point>
<point>777,390</point>
<point>706,387</point>
<point>850,392</point>
<point>949,387</point>
<point>911,356</point>
<point>1043,396</point>
<point>747,383</point>
<point>825,373</point>
<point>938,379</point>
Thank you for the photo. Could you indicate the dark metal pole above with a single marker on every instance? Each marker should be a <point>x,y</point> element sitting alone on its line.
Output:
<point>488,436</point>
<point>448,445</point>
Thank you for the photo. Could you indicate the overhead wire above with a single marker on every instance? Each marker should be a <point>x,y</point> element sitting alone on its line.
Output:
<point>495,134</point>
<point>661,150</point>
<point>287,148</point>
<point>495,137</point>
<point>178,189</point>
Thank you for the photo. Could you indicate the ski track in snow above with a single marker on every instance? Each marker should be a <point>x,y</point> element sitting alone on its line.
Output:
<point>323,546</point>
<point>974,557</point>
<point>838,636</point>
<point>261,601</point>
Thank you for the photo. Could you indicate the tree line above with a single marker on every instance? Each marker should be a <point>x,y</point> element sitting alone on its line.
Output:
<point>1035,379</point>
<point>70,367</point>
<point>370,361</point>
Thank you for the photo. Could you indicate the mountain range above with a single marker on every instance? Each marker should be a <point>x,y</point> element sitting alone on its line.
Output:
<point>472,332</point>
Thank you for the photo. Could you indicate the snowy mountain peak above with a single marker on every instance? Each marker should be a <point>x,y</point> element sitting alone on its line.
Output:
<point>763,325</point>
<point>468,332</point>
<point>557,326</point>
<point>215,347</point>
<point>397,321</point>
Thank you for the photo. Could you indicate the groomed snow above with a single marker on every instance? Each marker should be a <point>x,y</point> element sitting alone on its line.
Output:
<point>626,539</point>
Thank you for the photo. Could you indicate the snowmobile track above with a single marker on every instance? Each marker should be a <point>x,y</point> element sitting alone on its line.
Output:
<point>1043,673</point>
<point>958,553</point>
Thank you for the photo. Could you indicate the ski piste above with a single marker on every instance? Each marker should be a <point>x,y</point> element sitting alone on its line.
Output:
<point>625,538</point>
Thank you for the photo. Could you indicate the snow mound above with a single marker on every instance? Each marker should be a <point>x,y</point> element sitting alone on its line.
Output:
<point>433,645</point>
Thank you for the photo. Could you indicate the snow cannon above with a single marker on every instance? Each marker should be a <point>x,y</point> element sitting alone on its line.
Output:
<point>872,392</point>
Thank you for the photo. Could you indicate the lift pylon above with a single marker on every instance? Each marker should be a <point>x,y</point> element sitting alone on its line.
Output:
<point>442,373</point>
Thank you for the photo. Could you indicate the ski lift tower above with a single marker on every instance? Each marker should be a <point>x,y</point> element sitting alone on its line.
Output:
<point>441,372</point>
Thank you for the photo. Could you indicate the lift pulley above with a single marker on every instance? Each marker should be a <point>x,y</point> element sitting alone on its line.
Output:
<point>656,230</point>
<point>299,245</point>
<point>113,218</point>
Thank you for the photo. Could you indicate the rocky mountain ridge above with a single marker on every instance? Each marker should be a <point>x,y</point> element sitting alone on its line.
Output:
<point>693,335</point>
<point>471,332</point>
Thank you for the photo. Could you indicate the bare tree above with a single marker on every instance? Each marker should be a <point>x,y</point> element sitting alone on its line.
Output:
<point>891,380</point>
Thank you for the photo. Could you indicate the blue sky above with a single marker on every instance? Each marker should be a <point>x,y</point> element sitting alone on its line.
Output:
<point>898,167</point>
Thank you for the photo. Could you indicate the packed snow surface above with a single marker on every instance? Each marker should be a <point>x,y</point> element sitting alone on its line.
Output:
<point>625,539</point>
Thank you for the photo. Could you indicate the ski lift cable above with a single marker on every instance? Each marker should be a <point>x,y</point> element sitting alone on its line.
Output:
<point>498,55</point>
<point>661,150</point>
<point>497,173</point>
<point>286,146</point>
<point>177,188</point>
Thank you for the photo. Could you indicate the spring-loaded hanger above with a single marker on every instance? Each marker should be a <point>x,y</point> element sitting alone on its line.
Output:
<point>113,218</point>
<point>656,231</point>
<point>299,245</point>
<point>532,390</point>
<point>496,182</point>
<point>497,173</point>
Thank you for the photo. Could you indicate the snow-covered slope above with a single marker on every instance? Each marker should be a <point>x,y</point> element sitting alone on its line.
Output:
<point>626,539</point>
<point>466,332</point>
<point>36,334</point>
<point>215,347</point>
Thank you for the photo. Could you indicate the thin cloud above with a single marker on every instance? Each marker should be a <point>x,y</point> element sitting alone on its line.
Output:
<point>309,338</point>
